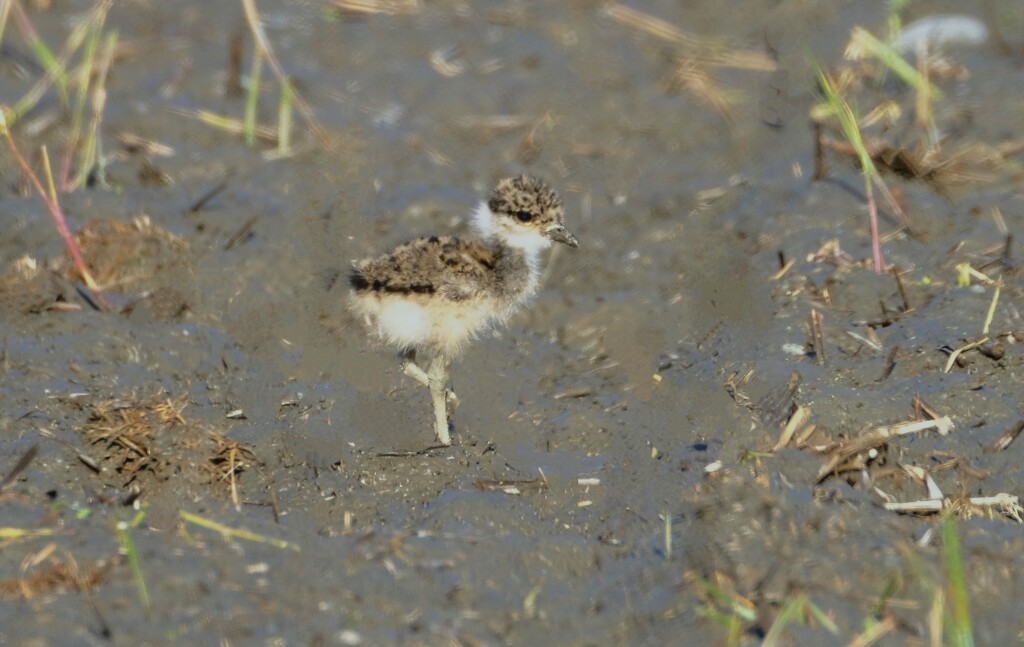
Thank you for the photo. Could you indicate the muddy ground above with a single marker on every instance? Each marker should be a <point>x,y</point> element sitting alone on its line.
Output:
<point>616,476</point>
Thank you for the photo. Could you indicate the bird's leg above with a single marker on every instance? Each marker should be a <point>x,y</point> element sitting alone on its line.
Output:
<point>449,393</point>
<point>437,378</point>
<point>413,370</point>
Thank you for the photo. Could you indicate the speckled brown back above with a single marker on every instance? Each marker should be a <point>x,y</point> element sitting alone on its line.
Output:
<point>453,268</point>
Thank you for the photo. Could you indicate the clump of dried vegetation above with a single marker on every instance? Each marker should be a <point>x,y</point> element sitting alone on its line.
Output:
<point>149,441</point>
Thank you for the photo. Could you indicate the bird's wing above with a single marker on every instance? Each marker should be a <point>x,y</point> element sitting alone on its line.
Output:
<point>448,267</point>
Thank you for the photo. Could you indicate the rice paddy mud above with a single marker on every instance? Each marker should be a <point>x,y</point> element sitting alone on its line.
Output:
<point>735,416</point>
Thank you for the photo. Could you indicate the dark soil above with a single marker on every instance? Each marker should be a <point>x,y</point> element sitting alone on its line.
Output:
<point>617,476</point>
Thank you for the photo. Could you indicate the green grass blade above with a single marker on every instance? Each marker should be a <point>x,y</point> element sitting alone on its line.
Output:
<point>890,58</point>
<point>848,122</point>
<point>959,622</point>
<point>237,533</point>
<point>253,98</point>
<point>284,120</point>
<point>5,11</point>
<point>81,98</point>
<point>124,537</point>
<point>90,158</point>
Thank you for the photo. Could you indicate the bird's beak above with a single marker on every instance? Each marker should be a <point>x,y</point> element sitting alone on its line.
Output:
<point>562,235</point>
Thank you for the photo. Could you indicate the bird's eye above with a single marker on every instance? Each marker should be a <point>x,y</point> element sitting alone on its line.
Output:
<point>524,216</point>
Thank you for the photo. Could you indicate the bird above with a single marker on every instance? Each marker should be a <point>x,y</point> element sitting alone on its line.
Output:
<point>435,294</point>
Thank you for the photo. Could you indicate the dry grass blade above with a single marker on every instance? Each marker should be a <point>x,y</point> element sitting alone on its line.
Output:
<point>921,475</point>
<point>1006,438</point>
<point>5,12</point>
<point>866,342</point>
<point>237,533</point>
<point>92,154</point>
<point>705,50</point>
<point>227,460</point>
<point>691,76</point>
<point>797,421</point>
<point>736,385</point>
<point>512,486</point>
<point>529,149</point>
<point>959,351</point>
<point>19,467</point>
<point>782,271</point>
<point>59,67</point>
<point>134,144</point>
<point>1003,503</point>
<point>265,51</point>
<point>925,410</point>
<point>227,124</point>
<point>816,336</point>
<point>59,575</point>
<point>499,123</point>
<point>10,535</point>
<point>874,633</point>
<point>875,438</point>
<point>991,309</point>
<point>84,77</point>
<point>383,7</point>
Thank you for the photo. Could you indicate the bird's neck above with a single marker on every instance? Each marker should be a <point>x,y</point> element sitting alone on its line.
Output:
<point>517,270</point>
<point>517,255</point>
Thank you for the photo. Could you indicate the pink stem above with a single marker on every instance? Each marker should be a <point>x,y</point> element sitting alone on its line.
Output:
<point>62,226</point>
<point>876,243</point>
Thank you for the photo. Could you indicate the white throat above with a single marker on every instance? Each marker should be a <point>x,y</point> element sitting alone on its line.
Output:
<point>530,241</point>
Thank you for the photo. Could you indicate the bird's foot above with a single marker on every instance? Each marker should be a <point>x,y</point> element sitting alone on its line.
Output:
<point>411,369</point>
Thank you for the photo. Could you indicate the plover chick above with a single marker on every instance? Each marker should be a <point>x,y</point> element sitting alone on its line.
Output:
<point>435,294</point>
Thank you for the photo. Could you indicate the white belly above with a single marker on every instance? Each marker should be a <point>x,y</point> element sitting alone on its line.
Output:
<point>412,322</point>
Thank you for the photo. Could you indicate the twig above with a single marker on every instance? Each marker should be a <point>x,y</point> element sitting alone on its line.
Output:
<point>22,464</point>
<point>815,329</point>
<point>212,193</point>
<point>1005,439</point>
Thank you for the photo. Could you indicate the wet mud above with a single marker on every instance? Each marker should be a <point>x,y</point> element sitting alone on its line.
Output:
<point>693,435</point>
